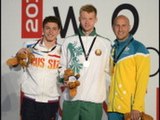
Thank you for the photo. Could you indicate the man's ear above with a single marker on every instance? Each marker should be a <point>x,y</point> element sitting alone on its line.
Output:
<point>129,27</point>
<point>96,19</point>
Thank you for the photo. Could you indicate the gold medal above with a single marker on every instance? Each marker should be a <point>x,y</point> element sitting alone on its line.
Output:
<point>98,52</point>
<point>111,66</point>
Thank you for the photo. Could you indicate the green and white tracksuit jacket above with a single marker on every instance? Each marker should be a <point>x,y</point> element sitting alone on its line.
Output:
<point>129,76</point>
<point>92,78</point>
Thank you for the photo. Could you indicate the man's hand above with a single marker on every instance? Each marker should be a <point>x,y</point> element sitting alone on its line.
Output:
<point>135,115</point>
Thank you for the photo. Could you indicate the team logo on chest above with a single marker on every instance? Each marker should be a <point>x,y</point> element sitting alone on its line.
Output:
<point>98,52</point>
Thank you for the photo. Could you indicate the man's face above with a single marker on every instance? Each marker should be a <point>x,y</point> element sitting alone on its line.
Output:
<point>51,31</point>
<point>87,21</point>
<point>121,28</point>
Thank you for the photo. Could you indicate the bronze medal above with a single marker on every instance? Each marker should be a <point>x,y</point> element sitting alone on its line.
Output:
<point>112,70</point>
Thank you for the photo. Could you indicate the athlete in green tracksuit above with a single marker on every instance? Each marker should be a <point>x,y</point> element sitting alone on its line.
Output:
<point>87,53</point>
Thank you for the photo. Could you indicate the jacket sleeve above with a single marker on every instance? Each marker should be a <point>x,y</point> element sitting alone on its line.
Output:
<point>63,61</point>
<point>142,77</point>
<point>108,60</point>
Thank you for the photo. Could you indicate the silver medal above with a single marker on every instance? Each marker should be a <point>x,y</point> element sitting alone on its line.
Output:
<point>86,64</point>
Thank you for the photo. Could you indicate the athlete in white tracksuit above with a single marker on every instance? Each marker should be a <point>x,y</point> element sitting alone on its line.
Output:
<point>39,79</point>
<point>87,104</point>
<point>86,53</point>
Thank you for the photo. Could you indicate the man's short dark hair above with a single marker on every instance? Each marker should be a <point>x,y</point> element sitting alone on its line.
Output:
<point>52,19</point>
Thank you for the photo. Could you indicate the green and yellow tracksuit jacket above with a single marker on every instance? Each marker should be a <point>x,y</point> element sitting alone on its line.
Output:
<point>129,76</point>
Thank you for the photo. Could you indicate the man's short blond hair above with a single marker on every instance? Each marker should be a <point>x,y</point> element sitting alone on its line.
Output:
<point>88,8</point>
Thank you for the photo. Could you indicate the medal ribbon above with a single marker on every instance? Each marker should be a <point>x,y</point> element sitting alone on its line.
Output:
<point>40,50</point>
<point>116,58</point>
<point>86,55</point>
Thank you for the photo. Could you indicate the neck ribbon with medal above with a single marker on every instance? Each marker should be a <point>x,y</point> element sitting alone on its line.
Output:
<point>116,57</point>
<point>86,55</point>
<point>34,47</point>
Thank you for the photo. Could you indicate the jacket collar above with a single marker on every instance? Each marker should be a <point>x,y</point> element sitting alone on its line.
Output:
<point>93,33</point>
<point>118,42</point>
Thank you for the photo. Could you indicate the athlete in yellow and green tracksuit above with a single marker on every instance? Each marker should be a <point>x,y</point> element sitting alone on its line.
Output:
<point>129,76</point>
